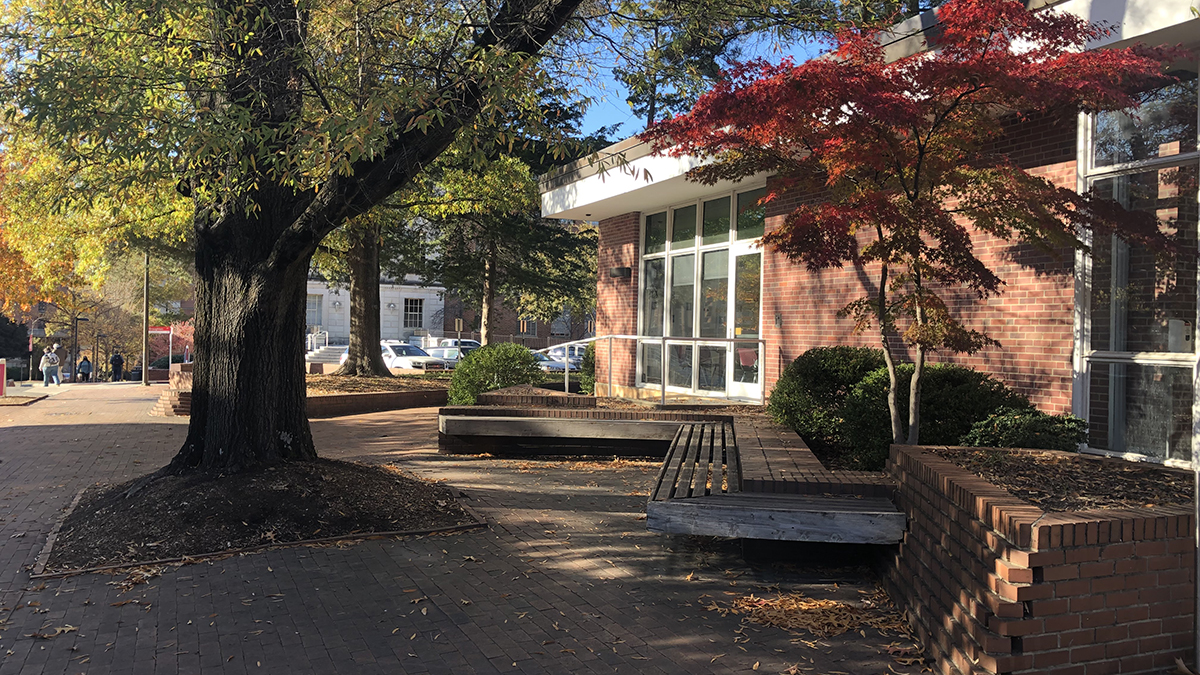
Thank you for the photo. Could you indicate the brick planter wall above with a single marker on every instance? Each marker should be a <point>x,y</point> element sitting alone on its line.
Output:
<point>336,405</point>
<point>995,585</point>
<point>548,400</point>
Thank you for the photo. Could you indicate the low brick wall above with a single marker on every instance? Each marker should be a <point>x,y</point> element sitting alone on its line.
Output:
<point>585,413</point>
<point>548,400</point>
<point>337,405</point>
<point>995,585</point>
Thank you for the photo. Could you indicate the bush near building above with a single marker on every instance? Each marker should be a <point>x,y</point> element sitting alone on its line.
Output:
<point>809,394</point>
<point>1028,428</point>
<point>494,366</point>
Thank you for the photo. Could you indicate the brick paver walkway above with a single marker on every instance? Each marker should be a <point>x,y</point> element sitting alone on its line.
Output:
<point>567,579</point>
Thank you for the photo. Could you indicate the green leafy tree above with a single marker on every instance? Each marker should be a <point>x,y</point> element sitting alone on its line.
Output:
<point>483,240</point>
<point>279,124</point>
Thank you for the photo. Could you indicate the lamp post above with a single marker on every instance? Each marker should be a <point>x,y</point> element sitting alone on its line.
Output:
<point>75,348</point>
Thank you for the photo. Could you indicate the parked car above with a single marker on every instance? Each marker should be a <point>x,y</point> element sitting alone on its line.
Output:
<point>455,342</point>
<point>397,354</point>
<point>451,355</point>
<point>549,365</point>
<point>573,354</point>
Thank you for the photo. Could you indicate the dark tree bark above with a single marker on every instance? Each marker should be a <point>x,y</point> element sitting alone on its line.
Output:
<point>248,386</point>
<point>364,357</point>
<point>253,248</point>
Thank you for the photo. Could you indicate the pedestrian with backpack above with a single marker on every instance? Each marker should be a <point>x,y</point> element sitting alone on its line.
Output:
<point>49,366</point>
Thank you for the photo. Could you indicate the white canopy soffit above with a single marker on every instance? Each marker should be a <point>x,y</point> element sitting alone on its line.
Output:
<point>627,177</point>
<point>622,178</point>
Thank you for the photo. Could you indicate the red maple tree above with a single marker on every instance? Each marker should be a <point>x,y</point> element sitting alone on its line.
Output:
<point>899,151</point>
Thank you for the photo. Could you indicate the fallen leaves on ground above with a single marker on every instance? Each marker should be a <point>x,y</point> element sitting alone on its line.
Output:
<point>57,631</point>
<point>823,618</point>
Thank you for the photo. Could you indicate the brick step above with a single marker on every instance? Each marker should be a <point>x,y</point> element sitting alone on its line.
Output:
<point>173,403</point>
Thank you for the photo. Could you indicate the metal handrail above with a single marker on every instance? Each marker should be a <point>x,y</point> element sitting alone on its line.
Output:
<point>664,340</point>
<point>310,340</point>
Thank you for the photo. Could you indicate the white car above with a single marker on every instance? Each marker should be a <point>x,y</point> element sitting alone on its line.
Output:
<point>451,355</point>
<point>397,354</point>
<point>573,354</point>
<point>549,365</point>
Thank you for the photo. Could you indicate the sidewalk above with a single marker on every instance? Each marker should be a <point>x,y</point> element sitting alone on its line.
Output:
<point>567,580</point>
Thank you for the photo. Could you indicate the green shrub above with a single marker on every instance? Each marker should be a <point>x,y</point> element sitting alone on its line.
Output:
<point>161,362</point>
<point>587,370</point>
<point>808,396</point>
<point>1027,428</point>
<point>495,366</point>
<point>953,398</point>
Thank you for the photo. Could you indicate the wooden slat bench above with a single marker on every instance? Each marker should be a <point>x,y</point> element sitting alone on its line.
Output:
<point>699,490</point>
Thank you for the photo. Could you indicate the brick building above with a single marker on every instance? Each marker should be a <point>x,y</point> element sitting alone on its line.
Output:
<point>1106,335</point>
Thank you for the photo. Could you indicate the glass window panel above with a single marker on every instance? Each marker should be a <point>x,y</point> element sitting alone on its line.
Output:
<point>312,310</point>
<point>656,233</point>
<point>1140,303</point>
<point>1164,125</point>
<point>651,363</point>
<point>716,221</point>
<point>683,284</point>
<point>653,290</point>
<point>683,228</point>
<point>714,293</point>
<point>1141,409</point>
<point>745,363</point>
<point>711,368</point>
<point>679,366</point>
<point>752,216</point>
<point>746,291</point>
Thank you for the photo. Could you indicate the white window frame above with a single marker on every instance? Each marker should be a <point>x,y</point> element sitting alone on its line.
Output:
<point>1086,175</point>
<point>736,248</point>
<point>319,309</point>
<point>414,318</point>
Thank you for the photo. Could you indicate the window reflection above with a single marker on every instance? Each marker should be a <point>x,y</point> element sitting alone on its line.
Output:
<point>683,284</point>
<point>1141,303</point>
<point>714,293</point>
<point>1164,125</point>
<point>656,233</point>
<point>653,289</point>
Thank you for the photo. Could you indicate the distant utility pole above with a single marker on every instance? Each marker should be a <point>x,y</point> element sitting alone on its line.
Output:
<point>146,322</point>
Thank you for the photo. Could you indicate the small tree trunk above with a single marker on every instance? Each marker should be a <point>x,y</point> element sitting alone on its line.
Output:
<point>914,386</point>
<point>914,398</point>
<point>893,383</point>
<point>248,391</point>
<point>489,295</point>
<point>364,358</point>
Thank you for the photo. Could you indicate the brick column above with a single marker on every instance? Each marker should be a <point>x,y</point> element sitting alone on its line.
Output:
<point>617,300</point>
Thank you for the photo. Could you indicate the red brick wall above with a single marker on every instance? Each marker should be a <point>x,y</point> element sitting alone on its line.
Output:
<point>616,297</point>
<point>995,585</point>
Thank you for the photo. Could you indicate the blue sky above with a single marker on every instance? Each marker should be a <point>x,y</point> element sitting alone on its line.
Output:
<point>609,106</point>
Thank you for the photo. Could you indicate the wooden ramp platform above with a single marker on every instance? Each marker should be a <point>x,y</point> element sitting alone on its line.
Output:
<point>700,490</point>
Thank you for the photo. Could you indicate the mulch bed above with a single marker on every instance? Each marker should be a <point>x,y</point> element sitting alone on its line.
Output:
<point>341,384</point>
<point>1059,481</point>
<point>174,517</point>
<point>19,400</point>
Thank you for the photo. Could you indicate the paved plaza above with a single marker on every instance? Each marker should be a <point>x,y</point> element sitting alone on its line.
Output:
<point>565,580</point>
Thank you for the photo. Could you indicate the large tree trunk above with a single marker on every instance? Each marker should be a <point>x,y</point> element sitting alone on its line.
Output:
<point>364,357</point>
<point>489,295</point>
<point>248,387</point>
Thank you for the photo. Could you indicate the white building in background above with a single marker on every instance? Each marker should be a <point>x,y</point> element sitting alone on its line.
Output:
<point>406,310</point>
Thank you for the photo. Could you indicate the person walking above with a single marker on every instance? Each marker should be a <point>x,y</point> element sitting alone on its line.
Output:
<point>49,366</point>
<point>118,363</point>
<point>85,370</point>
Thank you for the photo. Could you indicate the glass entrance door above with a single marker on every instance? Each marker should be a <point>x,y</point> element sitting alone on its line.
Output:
<point>746,305</point>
